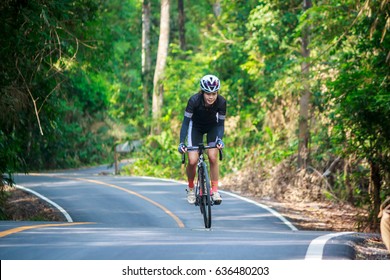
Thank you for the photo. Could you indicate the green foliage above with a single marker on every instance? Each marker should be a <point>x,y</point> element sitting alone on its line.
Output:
<point>64,56</point>
<point>80,62</point>
<point>158,158</point>
<point>361,91</point>
<point>259,65</point>
<point>38,44</point>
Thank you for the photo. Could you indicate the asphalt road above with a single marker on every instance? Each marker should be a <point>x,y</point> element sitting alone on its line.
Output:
<point>138,218</point>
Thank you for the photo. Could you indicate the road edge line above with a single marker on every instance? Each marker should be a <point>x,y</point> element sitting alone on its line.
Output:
<point>59,208</point>
<point>316,247</point>
<point>269,209</point>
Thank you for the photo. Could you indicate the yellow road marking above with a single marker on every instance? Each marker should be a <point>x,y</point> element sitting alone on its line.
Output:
<point>19,229</point>
<point>166,210</point>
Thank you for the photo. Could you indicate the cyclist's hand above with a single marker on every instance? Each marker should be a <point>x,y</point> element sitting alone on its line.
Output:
<point>182,148</point>
<point>220,144</point>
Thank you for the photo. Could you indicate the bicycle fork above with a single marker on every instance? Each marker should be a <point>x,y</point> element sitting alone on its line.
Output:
<point>201,183</point>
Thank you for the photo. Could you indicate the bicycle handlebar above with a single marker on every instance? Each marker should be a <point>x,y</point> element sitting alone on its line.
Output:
<point>195,148</point>
<point>198,148</point>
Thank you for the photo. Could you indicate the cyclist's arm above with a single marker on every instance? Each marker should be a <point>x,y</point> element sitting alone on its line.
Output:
<point>187,118</point>
<point>221,120</point>
<point>184,127</point>
<point>221,129</point>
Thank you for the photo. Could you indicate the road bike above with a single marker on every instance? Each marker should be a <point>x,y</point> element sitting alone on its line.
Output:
<point>203,197</point>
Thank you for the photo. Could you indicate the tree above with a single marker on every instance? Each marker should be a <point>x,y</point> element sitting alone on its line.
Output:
<point>304,103</point>
<point>360,94</point>
<point>41,40</point>
<point>182,29</point>
<point>146,55</point>
<point>162,54</point>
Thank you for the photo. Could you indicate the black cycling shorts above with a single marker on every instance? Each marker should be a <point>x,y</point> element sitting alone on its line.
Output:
<point>195,135</point>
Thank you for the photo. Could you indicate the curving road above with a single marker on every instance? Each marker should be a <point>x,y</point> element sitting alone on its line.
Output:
<point>137,218</point>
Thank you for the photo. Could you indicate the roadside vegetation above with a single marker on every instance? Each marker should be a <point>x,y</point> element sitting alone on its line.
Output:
<point>307,86</point>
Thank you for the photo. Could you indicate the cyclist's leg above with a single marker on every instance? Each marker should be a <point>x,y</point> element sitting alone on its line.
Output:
<point>191,172</point>
<point>191,167</point>
<point>194,136</point>
<point>213,159</point>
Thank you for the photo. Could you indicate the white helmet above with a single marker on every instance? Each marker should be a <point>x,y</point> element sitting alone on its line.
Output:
<point>210,83</point>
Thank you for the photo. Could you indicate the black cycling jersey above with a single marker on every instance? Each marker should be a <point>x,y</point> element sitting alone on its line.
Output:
<point>204,118</point>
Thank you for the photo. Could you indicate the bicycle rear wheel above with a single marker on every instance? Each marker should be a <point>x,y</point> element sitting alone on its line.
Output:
<point>205,203</point>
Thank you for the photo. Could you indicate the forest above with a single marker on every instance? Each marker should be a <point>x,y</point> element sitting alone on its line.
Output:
<point>306,83</point>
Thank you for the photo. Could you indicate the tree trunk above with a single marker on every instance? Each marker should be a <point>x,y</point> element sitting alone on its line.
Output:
<point>146,57</point>
<point>182,29</point>
<point>347,180</point>
<point>374,191</point>
<point>162,54</point>
<point>217,9</point>
<point>304,103</point>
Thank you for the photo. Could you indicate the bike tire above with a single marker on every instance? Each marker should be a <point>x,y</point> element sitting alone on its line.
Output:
<point>200,187</point>
<point>206,197</point>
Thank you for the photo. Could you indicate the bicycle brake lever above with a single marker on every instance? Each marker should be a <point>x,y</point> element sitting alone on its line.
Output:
<point>183,158</point>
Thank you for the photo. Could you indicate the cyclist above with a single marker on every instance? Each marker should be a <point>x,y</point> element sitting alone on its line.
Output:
<point>205,114</point>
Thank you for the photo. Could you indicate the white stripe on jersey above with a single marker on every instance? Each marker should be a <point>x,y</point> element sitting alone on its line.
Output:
<point>188,115</point>
<point>189,134</point>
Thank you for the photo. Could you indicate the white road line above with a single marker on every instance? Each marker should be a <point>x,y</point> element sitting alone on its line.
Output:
<point>272,211</point>
<point>316,247</point>
<point>275,213</point>
<point>62,210</point>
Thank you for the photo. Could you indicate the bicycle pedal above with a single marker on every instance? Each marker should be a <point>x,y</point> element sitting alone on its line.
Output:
<point>217,202</point>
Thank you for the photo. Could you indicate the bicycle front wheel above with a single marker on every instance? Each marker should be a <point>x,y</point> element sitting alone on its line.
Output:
<point>205,203</point>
